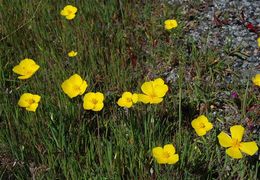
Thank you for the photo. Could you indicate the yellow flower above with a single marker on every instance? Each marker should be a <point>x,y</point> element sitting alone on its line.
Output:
<point>170,24</point>
<point>165,155</point>
<point>258,41</point>
<point>74,86</point>
<point>256,79</point>
<point>201,125</point>
<point>69,12</point>
<point>154,91</point>
<point>127,99</point>
<point>26,68</point>
<point>234,144</point>
<point>72,54</point>
<point>93,101</point>
<point>29,101</point>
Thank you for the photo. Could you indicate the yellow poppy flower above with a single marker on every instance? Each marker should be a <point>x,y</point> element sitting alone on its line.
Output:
<point>74,86</point>
<point>29,101</point>
<point>234,144</point>
<point>165,155</point>
<point>127,100</point>
<point>256,80</point>
<point>201,125</point>
<point>258,42</point>
<point>93,101</point>
<point>154,91</point>
<point>72,54</point>
<point>69,12</point>
<point>26,68</point>
<point>170,24</point>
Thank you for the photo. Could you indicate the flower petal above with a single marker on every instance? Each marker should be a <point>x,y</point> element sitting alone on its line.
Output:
<point>83,87</point>
<point>173,159</point>
<point>160,90</point>
<point>200,131</point>
<point>147,88</point>
<point>135,98</point>
<point>169,148</point>
<point>237,132</point>
<point>248,147</point>
<point>157,152</point>
<point>143,98</point>
<point>70,16</point>
<point>25,76</point>
<point>98,107</point>
<point>32,107</point>
<point>156,100</point>
<point>234,152</point>
<point>68,89</point>
<point>100,96</point>
<point>224,140</point>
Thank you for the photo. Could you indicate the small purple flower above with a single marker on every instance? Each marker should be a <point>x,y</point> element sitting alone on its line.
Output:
<point>234,95</point>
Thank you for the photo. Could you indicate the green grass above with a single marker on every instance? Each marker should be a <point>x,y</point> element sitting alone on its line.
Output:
<point>63,141</point>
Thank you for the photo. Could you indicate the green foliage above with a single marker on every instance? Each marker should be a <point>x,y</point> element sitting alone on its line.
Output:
<point>120,45</point>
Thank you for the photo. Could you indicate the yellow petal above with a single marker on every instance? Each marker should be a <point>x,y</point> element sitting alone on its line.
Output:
<point>68,88</point>
<point>18,69</point>
<point>124,103</point>
<point>169,148</point>
<point>248,147</point>
<point>173,159</point>
<point>25,76</point>
<point>75,79</point>
<point>64,13</point>
<point>83,87</point>
<point>70,16</point>
<point>32,107</point>
<point>157,152</point>
<point>234,152</point>
<point>135,98</point>
<point>208,126</point>
<point>156,100</point>
<point>160,90</point>
<point>143,98</point>
<point>70,9</point>
<point>224,140</point>
<point>162,160</point>
<point>36,98</point>
<point>158,81</point>
<point>147,88</point>
<point>237,132</point>
<point>127,95</point>
<point>100,96</point>
<point>98,107</point>
<point>200,131</point>
<point>88,105</point>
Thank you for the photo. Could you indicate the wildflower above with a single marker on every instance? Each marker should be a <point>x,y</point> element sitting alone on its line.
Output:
<point>29,101</point>
<point>127,99</point>
<point>258,41</point>
<point>201,125</point>
<point>165,155</point>
<point>72,54</point>
<point>74,86</point>
<point>93,101</point>
<point>170,24</point>
<point>256,79</point>
<point>69,12</point>
<point>234,144</point>
<point>26,68</point>
<point>154,91</point>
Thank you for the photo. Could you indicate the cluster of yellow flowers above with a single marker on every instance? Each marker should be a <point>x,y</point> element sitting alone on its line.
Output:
<point>152,93</point>
<point>201,124</point>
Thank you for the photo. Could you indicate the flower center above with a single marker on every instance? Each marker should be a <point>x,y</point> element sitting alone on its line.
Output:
<point>128,99</point>
<point>235,143</point>
<point>202,125</point>
<point>166,155</point>
<point>94,101</point>
<point>30,101</point>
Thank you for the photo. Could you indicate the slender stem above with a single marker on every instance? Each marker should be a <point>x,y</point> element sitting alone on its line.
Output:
<point>244,101</point>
